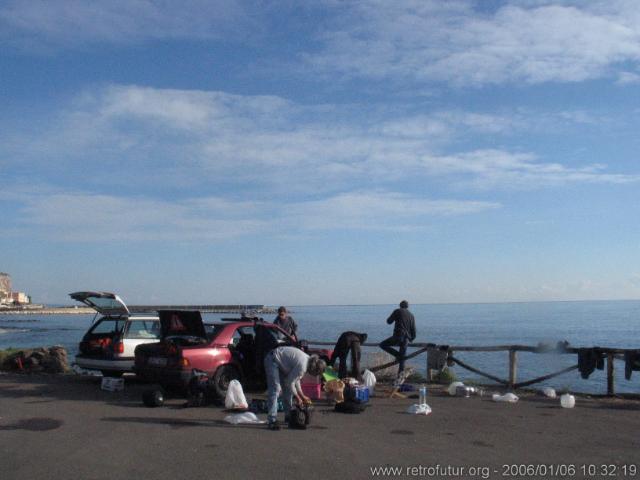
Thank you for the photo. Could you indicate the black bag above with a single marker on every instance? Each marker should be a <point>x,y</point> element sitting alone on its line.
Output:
<point>198,390</point>
<point>349,406</point>
<point>300,417</point>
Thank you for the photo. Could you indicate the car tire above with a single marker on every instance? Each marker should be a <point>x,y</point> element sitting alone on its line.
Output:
<point>112,373</point>
<point>153,398</point>
<point>223,377</point>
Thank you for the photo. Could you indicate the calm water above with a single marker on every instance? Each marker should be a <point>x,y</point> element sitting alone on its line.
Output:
<point>605,324</point>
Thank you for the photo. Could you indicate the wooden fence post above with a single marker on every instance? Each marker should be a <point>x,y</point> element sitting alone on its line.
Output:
<point>513,367</point>
<point>610,376</point>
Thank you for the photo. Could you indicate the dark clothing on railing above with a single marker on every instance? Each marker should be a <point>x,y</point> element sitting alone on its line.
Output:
<point>437,357</point>
<point>588,360</point>
<point>405,323</point>
<point>631,362</point>
<point>348,342</point>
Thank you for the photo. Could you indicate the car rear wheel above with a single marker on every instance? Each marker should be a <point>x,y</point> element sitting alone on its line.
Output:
<point>153,398</point>
<point>223,377</point>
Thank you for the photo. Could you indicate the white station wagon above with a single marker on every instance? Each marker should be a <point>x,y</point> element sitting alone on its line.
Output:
<point>109,344</point>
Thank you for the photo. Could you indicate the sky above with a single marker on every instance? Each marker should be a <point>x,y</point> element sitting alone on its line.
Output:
<point>321,152</point>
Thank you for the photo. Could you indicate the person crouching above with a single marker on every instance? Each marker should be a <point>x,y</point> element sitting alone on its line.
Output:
<point>284,367</point>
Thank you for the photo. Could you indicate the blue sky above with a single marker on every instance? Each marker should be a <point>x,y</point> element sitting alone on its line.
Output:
<point>321,152</point>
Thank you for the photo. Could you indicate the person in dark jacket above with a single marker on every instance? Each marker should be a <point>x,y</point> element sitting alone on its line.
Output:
<point>404,332</point>
<point>286,323</point>
<point>348,342</point>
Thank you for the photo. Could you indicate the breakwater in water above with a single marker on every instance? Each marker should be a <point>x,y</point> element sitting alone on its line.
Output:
<point>42,310</point>
<point>48,311</point>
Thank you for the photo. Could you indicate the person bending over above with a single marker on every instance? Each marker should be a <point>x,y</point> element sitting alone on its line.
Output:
<point>348,342</point>
<point>284,367</point>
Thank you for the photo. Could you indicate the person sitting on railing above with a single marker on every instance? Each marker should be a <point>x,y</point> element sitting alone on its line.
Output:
<point>404,332</point>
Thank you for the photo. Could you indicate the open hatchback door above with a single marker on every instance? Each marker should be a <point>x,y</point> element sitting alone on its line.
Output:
<point>105,303</point>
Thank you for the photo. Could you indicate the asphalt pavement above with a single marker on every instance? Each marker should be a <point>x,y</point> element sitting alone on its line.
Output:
<point>59,427</point>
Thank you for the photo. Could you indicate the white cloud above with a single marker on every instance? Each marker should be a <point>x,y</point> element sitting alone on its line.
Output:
<point>379,211</point>
<point>494,168</point>
<point>628,78</point>
<point>177,136</point>
<point>74,22</point>
<point>89,217</point>
<point>453,42</point>
<point>80,216</point>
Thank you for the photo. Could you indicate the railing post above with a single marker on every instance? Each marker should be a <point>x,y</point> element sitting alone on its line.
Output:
<point>610,376</point>
<point>513,367</point>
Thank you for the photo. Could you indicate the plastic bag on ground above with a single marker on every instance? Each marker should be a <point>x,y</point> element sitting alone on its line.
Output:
<point>419,409</point>
<point>567,401</point>
<point>507,397</point>
<point>369,380</point>
<point>549,392</point>
<point>235,398</point>
<point>453,386</point>
<point>246,417</point>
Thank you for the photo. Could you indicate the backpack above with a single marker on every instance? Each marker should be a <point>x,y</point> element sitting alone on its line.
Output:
<point>300,417</point>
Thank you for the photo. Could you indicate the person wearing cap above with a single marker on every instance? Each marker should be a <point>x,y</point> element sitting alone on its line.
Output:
<point>404,332</point>
<point>284,367</point>
<point>286,323</point>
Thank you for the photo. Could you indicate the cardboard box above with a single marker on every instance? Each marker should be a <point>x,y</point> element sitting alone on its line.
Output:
<point>111,384</point>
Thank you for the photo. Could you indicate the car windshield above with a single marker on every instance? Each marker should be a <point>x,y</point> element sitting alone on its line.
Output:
<point>108,325</point>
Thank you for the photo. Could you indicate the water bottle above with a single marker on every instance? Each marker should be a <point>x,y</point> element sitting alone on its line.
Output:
<point>423,395</point>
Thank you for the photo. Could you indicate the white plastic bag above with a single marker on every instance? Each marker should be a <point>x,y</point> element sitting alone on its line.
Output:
<point>567,401</point>
<point>246,417</point>
<point>235,396</point>
<point>452,388</point>
<point>369,380</point>
<point>507,397</point>
<point>419,409</point>
<point>549,392</point>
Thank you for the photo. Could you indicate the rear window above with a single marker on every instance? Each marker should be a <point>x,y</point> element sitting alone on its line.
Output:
<point>213,330</point>
<point>108,325</point>
<point>143,329</point>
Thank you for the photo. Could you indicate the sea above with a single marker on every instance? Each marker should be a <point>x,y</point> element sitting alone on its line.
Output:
<point>614,324</point>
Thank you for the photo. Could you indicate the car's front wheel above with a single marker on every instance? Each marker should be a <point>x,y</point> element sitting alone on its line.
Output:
<point>223,377</point>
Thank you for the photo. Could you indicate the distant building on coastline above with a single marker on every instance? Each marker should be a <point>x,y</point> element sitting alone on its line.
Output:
<point>5,288</point>
<point>8,296</point>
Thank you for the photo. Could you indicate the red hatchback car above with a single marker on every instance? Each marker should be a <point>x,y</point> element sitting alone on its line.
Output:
<point>225,351</point>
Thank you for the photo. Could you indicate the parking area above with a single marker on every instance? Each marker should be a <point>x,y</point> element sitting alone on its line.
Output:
<point>64,426</point>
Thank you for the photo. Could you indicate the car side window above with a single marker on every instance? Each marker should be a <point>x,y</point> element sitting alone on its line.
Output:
<point>143,329</point>
<point>282,337</point>
<point>235,339</point>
